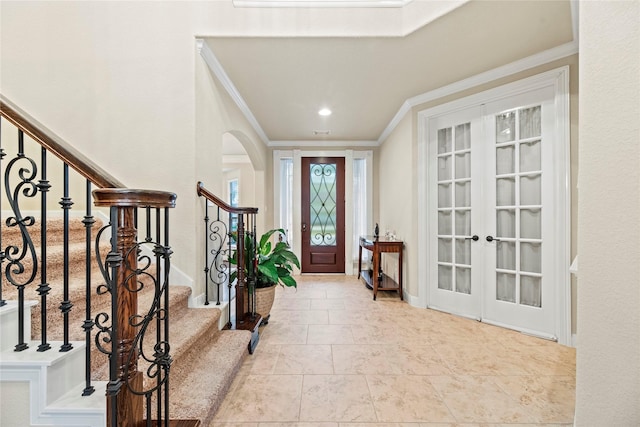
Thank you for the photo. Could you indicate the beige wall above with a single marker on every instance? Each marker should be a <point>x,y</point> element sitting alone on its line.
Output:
<point>124,84</point>
<point>245,175</point>
<point>396,188</point>
<point>608,353</point>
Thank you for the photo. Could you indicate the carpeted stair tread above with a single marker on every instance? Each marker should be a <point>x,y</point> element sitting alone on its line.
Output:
<point>199,393</point>
<point>55,232</point>
<point>194,328</point>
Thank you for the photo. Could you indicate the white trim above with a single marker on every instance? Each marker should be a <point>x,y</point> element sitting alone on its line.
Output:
<point>321,3</point>
<point>411,299</point>
<point>323,143</point>
<point>575,20</point>
<point>527,63</point>
<point>348,217</point>
<point>349,156</point>
<point>52,376</point>
<point>522,330</point>
<point>479,79</point>
<point>423,206</point>
<point>559,79</point>
<point>395,121</point>
<point>563,172</point>
<point>215,66</point>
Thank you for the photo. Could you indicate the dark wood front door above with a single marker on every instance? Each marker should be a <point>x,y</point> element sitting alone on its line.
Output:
<point>323,215</point>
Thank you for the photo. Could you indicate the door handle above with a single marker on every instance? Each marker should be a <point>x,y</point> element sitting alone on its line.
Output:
<point>304,227</point>
<point>491,239</point>
<point>475,238</point>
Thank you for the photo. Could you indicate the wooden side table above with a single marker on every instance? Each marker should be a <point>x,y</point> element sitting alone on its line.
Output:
<point>380,281</point>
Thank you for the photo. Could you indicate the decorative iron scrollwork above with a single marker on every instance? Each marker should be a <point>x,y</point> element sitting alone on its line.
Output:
<point>159,358</point>
<point>218,269</point>
<point>323,204</point>
<point>20,257</point>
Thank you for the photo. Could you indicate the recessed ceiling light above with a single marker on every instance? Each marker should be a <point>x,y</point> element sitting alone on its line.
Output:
<point>324,112</point>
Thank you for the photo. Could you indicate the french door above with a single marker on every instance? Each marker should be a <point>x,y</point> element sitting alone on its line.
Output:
<point>493,230</point>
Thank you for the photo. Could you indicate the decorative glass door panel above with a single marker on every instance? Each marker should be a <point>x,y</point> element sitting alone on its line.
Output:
<point>322,215</point>
<point>323,195</point>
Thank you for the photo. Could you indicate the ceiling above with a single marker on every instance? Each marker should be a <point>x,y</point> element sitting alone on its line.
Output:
<point>281,82</point>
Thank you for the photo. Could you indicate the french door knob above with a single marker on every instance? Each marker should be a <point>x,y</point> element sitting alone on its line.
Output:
<point>475,238</point>
<point>491,239</point>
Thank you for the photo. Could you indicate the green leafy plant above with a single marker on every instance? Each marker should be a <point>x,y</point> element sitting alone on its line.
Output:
<point>274,263</point>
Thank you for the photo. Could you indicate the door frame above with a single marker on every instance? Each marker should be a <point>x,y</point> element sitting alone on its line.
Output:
<point>558,79</point>
<point>349,156</point>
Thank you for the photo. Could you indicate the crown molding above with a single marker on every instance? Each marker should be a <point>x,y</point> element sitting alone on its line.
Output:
<point>320,3</point>
<point>532,61</point>
<point>323,143</point>
<point>215,66</point>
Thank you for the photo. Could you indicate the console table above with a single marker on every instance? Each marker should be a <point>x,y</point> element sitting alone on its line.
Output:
<point>380,281</point>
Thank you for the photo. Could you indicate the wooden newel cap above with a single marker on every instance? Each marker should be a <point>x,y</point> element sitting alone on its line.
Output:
<point>127,197</point>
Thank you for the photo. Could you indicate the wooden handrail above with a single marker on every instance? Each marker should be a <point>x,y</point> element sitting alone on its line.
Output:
<point>127,197</point>
<point>221,204</point>
<point>56,145</point>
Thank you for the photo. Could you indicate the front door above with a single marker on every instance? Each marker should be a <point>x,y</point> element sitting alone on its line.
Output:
<point>323,235</point>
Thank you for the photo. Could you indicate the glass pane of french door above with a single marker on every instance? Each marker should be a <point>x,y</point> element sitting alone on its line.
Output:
<point>452,193</point>
<point>518,209</point>
<point>454,208</point>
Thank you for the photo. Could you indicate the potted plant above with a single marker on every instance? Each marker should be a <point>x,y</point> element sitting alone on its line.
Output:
<point>273,265</point>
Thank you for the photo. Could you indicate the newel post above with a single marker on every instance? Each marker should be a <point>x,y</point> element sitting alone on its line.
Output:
<point>125,403</point>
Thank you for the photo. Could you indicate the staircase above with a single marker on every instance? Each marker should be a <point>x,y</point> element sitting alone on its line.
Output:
<point>43,385</point>
<point>205,358</point>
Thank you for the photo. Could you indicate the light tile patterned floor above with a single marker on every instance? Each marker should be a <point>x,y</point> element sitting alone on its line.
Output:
<point>333,357</point>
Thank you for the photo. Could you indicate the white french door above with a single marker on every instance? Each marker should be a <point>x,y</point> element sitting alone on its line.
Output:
<point>494,233</point>
<point>455,190</point>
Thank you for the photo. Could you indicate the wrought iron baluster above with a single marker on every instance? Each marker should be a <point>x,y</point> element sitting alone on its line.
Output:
<point>158,316</point>
<point>229,284</point>
<point>88,324</point>
<point>43,288</point>
<point>167,265</point>
<point>15,255</point>
<point>206,252</point>
<point>2,154</point>
<point>66,304</point>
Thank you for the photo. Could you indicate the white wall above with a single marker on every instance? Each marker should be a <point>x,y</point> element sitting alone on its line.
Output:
<point>608,352</point>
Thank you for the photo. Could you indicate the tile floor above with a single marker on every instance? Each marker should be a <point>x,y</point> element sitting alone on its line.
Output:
<point>332,357</point>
